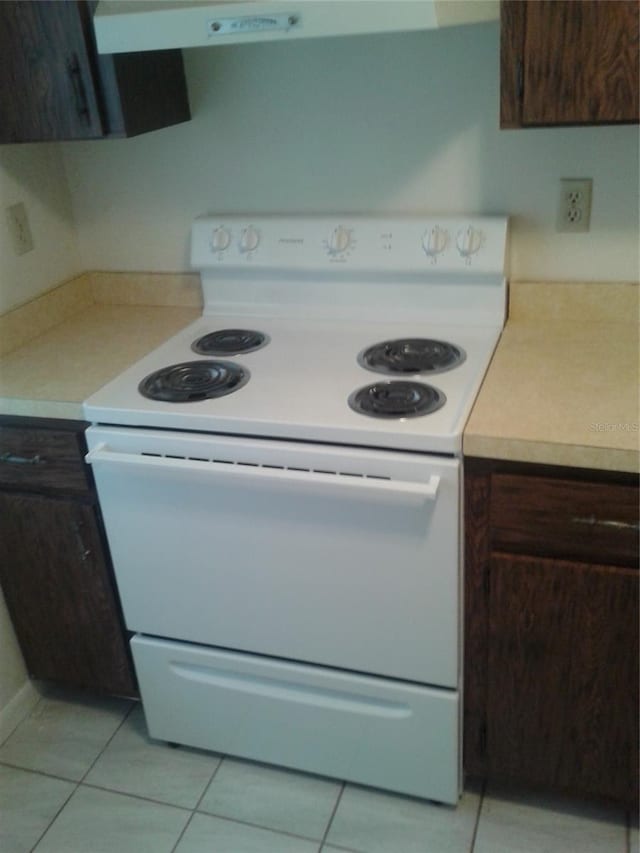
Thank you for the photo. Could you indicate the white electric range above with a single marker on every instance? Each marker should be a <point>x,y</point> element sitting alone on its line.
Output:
<point>281,481</point>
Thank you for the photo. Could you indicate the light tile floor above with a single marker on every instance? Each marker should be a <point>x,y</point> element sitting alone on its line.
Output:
<point>80,775</point>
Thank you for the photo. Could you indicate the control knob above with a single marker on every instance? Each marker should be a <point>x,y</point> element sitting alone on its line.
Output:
<point>249,239</point>
<point>469,241</point>
<point>339,240</point>
<point>220,239</point>
<point>434,241</point>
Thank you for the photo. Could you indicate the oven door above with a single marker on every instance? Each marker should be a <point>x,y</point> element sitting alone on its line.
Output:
<point>344,557</point>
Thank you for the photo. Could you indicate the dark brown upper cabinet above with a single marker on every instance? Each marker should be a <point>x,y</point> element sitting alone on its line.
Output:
<point>55,86</point>
<point>569,62</point>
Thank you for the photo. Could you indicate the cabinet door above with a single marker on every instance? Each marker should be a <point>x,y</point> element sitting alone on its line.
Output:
<point>47,88</point>
<point>59,593</point>
<point>568,62</point>
<point>563,675</point>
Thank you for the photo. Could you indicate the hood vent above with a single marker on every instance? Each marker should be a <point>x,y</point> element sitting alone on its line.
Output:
<point>124,26</point>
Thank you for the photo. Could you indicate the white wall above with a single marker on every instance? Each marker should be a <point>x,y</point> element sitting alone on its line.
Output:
<point>12,671</point>
<point>392,123</point>
<point>18,694</point>
<point>34,174</point>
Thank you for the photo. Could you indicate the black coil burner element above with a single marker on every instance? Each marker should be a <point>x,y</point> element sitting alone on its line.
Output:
<point>397,399</point>
<point>411,355</point>
<point>191,381</point>
<point>230,342</point>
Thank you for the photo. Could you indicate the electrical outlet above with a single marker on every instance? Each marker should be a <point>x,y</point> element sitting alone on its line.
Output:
<point>574,204</point>
<point>19,229</point>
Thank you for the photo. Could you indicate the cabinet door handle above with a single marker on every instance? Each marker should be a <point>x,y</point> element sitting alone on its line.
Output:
<point>77,84</point>
<point>592,521</point>
<point>84,552</point>
<point>520,80</point>
<point>12,459</point>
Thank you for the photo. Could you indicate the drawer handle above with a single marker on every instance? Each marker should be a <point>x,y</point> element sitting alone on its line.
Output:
<point>11,459</point>
<point>83,552</point>
<point>79,93</point>
<point>592,521</point>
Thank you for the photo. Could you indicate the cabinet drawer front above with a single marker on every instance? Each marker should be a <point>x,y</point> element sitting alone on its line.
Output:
<point>42,459</point>
<point>595,522</point>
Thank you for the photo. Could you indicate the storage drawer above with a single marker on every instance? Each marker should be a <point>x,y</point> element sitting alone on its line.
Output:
<point>393,735</point>
<point>42,459</point>
<point>593,522</point>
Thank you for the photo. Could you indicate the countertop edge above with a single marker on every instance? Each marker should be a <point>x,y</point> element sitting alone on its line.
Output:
<point>552,453</point>
<point>68,411</point>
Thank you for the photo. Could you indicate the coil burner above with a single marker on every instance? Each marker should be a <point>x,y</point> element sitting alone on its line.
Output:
<point>230,342</point>
<point>397,399</point>
<point>191,381</point>
<point>411,355</point>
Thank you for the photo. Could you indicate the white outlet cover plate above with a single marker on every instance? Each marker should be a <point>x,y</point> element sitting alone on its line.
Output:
<point>574,205</point>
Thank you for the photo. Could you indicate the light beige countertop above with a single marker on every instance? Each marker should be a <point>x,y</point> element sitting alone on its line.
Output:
<point>60,348</point>
<point>562,388</point>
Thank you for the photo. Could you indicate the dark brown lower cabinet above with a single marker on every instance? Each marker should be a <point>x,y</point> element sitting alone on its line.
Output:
<point>560,637</point>
<point>54,566</point>
<point>551,647</point>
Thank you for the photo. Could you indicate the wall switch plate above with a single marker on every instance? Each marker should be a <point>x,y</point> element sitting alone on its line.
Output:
<point>574,204</point>
<point>19,229</point>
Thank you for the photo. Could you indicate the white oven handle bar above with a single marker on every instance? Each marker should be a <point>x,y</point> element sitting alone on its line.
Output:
<point>406,491</point>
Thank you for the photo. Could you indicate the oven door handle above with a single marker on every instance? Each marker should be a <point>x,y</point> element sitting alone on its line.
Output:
<point>406,491</point>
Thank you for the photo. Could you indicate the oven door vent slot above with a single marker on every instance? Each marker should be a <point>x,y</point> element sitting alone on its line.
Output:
<point>326,482</point>
<point>269,466</point>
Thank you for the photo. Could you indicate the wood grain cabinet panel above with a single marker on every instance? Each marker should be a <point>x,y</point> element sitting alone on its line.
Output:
<point>42,459</point>
<point>569,62</point>
<point>55,86</point>
<point>563,686</point>
<point>55,567</point>
<point>597,522</point>
<point>58,593</point>
<point>551,629</point>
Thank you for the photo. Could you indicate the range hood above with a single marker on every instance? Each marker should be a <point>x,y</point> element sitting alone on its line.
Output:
<point>124,26</point>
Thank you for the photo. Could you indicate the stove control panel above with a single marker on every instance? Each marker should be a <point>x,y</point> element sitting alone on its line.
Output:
<point>408,244</point>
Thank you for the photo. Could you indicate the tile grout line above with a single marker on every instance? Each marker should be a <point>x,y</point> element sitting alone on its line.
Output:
<point>194,810</point>
<point>197,810</point>
<point>56,816</point>
<point>483,791</point>
<point>79,783</point>
<point>332,815</point>
<point>260,826</point>
<point>144,799</point>
<point>38,772</point>
<point>20,722</point>
<point>99,755</point>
